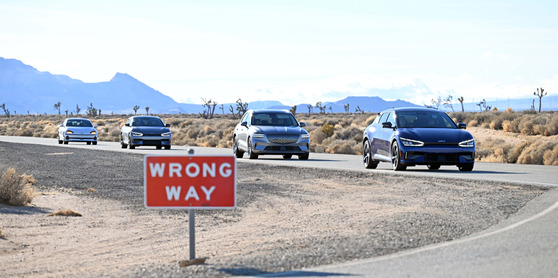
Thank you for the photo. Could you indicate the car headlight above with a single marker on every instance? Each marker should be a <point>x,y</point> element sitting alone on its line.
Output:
<point>136,133</point>
<point>305,136</point>
<point>166,134</point>
<point>411,143</point>
<point>69,132</point>
<point>258,135</point>
<point>467,144</point>
<point>93,132</point>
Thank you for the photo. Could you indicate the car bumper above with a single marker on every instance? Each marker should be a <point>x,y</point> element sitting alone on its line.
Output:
<point>80,138</point>
<point>262,147</point>
<point>439,156</point>
<point>151,141</point>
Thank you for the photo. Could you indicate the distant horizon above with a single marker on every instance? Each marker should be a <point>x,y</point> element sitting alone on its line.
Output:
<point>294,51</point>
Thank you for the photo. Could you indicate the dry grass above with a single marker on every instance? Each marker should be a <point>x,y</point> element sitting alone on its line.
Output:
<point>331,133</point>
<point>16,189</point>
<point>65,212</point>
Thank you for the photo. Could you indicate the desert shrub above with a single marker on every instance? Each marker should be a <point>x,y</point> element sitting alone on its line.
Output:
<point>16,189</point>
<point>343,147</point>
<point>551,156</point>
<point>370,120</point>
<point>317,136</point>
<point>350,133</point>
<point>328,129</point>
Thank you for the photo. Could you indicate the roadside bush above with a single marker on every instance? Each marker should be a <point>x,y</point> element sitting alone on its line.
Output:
<point>16,189</point>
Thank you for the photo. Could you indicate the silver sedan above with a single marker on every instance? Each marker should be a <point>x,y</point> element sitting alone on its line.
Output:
<point>77,130</point>
<point>270,131</point>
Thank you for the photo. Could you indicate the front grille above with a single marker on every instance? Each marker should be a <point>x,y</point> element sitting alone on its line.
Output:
<point>282,138</point>
<point>440,144</point>
<point>282,149</point>
<point>441,158</point>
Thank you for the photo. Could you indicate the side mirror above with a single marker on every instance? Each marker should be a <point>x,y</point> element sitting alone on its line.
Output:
<point>95,126</point>
<point>244,124</point>
<point>127,124</point>
<point>167,125</point>
<point>387,125</point>
<point>62,125</point>
<point>302,124</point>
<point>462,125</point>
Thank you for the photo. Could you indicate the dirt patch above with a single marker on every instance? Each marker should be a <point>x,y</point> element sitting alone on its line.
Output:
<point>286,218</point>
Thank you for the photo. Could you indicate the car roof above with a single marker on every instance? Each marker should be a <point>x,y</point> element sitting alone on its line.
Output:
<point>260,111</point>
<point>411,109</point>
<point>73,119</point>
<point>144,116</point>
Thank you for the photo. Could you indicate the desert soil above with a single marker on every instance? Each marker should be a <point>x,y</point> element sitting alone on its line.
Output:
<point>286,217</point>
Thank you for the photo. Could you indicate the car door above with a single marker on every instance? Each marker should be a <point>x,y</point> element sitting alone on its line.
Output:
<point>384,137</point>
<point>126,131</point>
<point>242,131</point>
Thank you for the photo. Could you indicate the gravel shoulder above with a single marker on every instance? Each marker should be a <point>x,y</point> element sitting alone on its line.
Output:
<point>286,217</point>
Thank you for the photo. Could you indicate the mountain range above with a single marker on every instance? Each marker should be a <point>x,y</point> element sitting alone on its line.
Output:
<point>25,90</point>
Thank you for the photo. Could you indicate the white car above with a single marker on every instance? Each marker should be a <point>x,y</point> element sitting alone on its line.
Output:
<point>77,130</point>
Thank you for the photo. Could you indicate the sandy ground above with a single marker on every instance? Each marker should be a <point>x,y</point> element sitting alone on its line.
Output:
<point>286,218</point>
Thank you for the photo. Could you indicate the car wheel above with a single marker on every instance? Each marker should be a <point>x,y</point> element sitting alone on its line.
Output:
<point>65,142</point>
<point>433,166</point>
<point>122,142</point>
<point>94,142</point>
<point>367,160</point>
<point>158,147</point>
<point>396,158</point>
<point>287,156</point>
<point>88,143</point>
<point>466,167</point>
<point>167,147</point>
<point>237,152</point>
<point>304,156</point>
<point>251,153</point>
<point>59,141</point>
<point>131,146</point>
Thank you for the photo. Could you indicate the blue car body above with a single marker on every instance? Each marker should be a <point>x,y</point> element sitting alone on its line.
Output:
<point>145,131</point>
<point>417,136</point>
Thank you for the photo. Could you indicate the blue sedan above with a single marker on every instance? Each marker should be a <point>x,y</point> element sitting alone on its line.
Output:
<point>417,136</point>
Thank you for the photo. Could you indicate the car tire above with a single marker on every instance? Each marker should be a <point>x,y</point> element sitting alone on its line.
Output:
<point>167,147</point>
<point>303,156</point>
<point>237,152</point>
<point>159,147</point>
<point>251,153</point>
<point>433,166</point>
<point>367,160</point>
<point>131,147</point>
<point>65,142</point>
<point>466,167</point>
<point>95,143</point>
<point>396,158</point>
<point>88,143</point>
<point>122,145</point>
<point>59,141</point>
<point>287,156</point>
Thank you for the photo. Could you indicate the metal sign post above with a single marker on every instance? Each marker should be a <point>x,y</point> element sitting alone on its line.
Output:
<point>192,230</point>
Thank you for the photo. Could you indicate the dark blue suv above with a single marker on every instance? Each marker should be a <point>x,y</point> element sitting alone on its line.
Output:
<point>417,136</point>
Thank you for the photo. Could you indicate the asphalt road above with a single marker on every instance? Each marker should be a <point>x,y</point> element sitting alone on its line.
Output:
<point>525,245</point>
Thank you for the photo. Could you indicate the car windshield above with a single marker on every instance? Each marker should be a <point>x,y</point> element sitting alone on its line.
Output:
<point>423,119</point>
<point>147,122</point>
<point>274,119</point>
<point>81,123</point>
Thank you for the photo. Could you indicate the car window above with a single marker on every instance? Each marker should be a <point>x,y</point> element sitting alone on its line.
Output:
<point>391,118</point>
<point>424,119</point>
<point>377,119</point>
<point>245,117</point>
<point>274,119</point>
<point>147,122</point>
<point>79,123</point>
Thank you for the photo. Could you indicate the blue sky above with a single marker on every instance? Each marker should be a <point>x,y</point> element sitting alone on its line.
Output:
<point>294,51</point>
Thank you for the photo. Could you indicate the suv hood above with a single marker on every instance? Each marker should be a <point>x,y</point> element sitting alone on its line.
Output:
<point>448,135</point>
<point>280,129</point>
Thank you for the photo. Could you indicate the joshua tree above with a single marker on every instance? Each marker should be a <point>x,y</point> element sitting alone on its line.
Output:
<point>293,110</point>
<point>209,108</point>
<point>57,107</point>
<point>136,108</point>
<point>447,102</point>
<point>540,93</point>
<point>309,106</point>
<point>77,109</point>
<point>241,107</point>
<point>321,107</point>
<point>147,110</point>
<point>6,111</point>
<point>66,113</point>
<point>461,101</point>
<point>346,106</point>
<point>91,111</point>
<point>222,107</point>
<point>357,110</point>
